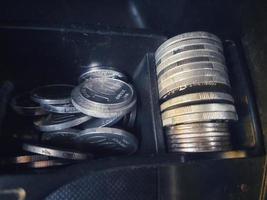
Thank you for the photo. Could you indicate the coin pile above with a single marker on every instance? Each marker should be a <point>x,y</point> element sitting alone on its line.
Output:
<point>194,90</point>
<point>77,122</point>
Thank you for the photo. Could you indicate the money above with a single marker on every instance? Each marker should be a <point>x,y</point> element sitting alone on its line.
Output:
<point>54,152</point>
<point>60,108</point>
<point>194,98</point>
<point>52,94</point>
<point>24,105</point>
<point>102,72</point>
<point>55,122</point>
<point>109,140</point>
<point>100,122</point>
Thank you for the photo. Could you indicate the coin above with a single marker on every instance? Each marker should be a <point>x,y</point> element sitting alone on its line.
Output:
<point>60,108</point>
<point>102,72</point>
<point>193,82</point>
<point>47,164</point>
<point>199,108</point>
<point>188,45</point>
<point>100,122</point>
<point>194,98</point>
<point>199,145</point>
<point>192,67</point>
<point>187,36</point>
<point>189,54</point>
<point>24,105</point>
<point>129,119</point>
<point>24,159</point>
<point>62,138</point>
<point>200,117</point>
<point>109,140</point>
<point>55,122</point>
<point>191,74</point>
<point>198,130</point>
<point>215,125</point>
<point>54,152</point>
<point>197,135</point>
<point>198,149</point>
<point>52,94</point>
<point>199,139</point>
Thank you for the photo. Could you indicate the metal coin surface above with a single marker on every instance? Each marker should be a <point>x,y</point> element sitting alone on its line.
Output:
<point>200,140</point>
<point>187,36</point>
<point>199,108</point>
<point>192,82</point>
<point>61,138</point>
<point>196,98</point>
<point>188,45</point>
<point>25,159</point>
<point>199,150</point>
<point>55,122</point>
<point>54,152</point>
<point>60,108</point>
<point>189,54</point>
<point>112,140</point>
<point>215,125</point>
<point>52,94</point>
<point>200,117</point>
<point>102,72</point>
<point>199,144</point>
<point>47,164</point>
<point>192,67</point>
<point>197,135</point>
<point>129,119</point>
<point>100,122</point>
<point>24,105</point>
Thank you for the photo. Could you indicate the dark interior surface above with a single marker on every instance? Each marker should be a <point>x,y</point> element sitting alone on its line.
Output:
<point>48,42</point>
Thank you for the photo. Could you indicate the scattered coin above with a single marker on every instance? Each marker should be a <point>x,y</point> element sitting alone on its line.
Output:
<point>60,108</point>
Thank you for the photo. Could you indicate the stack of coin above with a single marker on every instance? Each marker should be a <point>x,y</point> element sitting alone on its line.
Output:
<point>77,121</point>
<point>194,92</point>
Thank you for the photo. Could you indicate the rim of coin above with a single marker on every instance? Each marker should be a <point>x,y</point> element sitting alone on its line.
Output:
<point>191,61</point>
<point>24,105</point>
<point>198,108</point>
<point>200,117</point>
<point>102,71</point>
<point>187,48</point>
<point>129,119</point>
<point>189,54</point>
<point>200,125</point>
<point>100,122</point>
<point>105,113</point>
<point>55,152</point>
<point>24,159</point>
<point>103,92</point>
<point>197,130</point>
<point>199,144</point>
<point>196,140</point>
<point>187,36</point>
<point>197,135</point>
<point>52,94</point>
<point>112,139</point>
<point>200,150</point>
<point>190,75</point>
<point>192,67</point>
<point>196,98</point>
<point>60,108</point>
<point>184,44</point>
<point>56,122</point>
<point>47,163</point>
<point>192,82</point>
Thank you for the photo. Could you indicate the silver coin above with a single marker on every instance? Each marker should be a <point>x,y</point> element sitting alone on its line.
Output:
<point>62,138</point>
<point>194,98</point>
<point>111,140</point>
<point>60,108</point>
<point>189,54</point>
<point>199,108</point>
<point>199,145</point>
<point>200,117</point>
<point>103,92</point>
<point>54,152</point>
<point>191,67</point>
<point>192,82</point>
<point>55,122</point>
<point>24,105</point>
<point>103,112</point>
<point>182,49</point>
<point>197,130</point>
<point>193,74</point>
<point>52,94</point>
<point>198,150</point>
<point>205,125</point>
<point>183,45</point>
<point>187,36</point>
<point>100,122</point>
<point>195,140</point>
<point>129,119</point>
<point>197,135</point>
<point>102,72</point>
